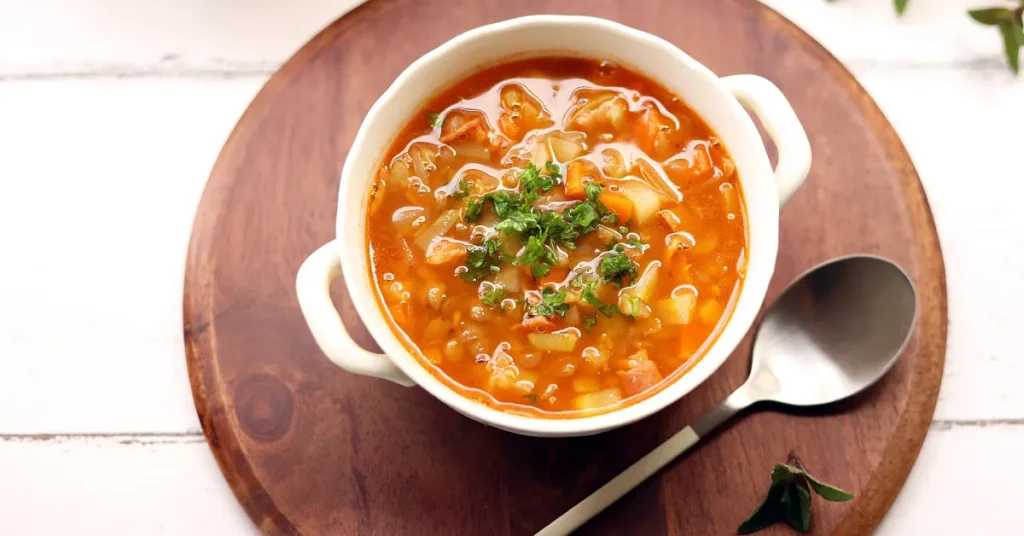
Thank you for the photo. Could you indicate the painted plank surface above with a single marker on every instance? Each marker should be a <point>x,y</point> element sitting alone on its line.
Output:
<point>155,485</point>
<point>60,37</point>
<point>101,179</point>
<point>171,486</point>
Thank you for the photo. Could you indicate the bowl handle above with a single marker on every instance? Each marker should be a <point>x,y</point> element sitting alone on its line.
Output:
<point>771,107</point>
<point>313,286</point>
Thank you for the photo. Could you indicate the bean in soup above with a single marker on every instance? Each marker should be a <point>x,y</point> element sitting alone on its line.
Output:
<point>557,237</point>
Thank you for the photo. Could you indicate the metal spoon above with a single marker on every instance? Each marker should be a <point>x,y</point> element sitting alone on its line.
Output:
<point>833,333</point>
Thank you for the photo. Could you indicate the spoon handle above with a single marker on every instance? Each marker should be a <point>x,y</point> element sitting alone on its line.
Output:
<point>617,487</point>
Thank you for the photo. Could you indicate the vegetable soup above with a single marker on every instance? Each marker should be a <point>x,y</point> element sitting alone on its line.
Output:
<point>557,237</point>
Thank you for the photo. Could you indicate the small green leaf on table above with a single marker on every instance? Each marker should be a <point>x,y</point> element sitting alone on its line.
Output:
<point>789,499</point>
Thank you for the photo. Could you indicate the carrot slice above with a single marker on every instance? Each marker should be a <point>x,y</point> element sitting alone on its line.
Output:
<point>574,180</point>
<point>617,203</point>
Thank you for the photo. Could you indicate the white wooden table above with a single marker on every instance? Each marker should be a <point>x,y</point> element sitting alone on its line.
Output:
<point>113,111</point>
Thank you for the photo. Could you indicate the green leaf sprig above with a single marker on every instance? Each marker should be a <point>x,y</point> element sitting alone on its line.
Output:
<point>1008,20</point>
<point>789,499</point>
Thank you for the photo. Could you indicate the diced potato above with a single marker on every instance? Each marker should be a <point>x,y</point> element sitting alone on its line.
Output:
<point>438,228</point>
<point>454,350</point>
<point>635,300</point>
<point>565,150</point>
<point>661,185</point>
<point>510,278</point>
<point>472,151</point>
<point>541,154</point>
<point>595,357</point>
<point>678,309</point>
<point>608,235</point>
<point>646,201</point>
<point>399,174</point>
<point>559,341</point>
<point>503,372</point>
<point>706,244</point>
<point>586,384</point>
<point>527,381</point>
<point>598,399</point>
<point>406,219</point>
<point>437,329</point>
<point>572,317</point>
<point>711,311</point>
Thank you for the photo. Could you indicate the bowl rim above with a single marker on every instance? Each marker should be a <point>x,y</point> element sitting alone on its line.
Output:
<point>364,298</point>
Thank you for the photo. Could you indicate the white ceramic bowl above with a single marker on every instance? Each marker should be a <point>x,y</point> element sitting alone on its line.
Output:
<point>716,100</point>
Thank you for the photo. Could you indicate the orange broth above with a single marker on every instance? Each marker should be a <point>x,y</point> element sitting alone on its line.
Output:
<point>561,289</point>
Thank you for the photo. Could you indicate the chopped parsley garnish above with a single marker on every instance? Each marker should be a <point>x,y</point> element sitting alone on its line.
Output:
<point>589,295</point>
<point>531,398</point>
<point>617,266</point>
<point>589,321</point>
<point>593,189</point>
<point>584,216</point>
<point>551,303</point>
<point>462,191</point>
<point>434,120</point>
<point>538,256</point>
<point>623,230</point>
<point>636,243</point>
<point>493,297</point>
<point>531,182</point>
<point>474,208</point>
<point>540,230</point>
<point>482,261</point>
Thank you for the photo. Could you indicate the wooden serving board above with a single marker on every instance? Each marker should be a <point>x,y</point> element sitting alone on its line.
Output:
<point>310,449</point>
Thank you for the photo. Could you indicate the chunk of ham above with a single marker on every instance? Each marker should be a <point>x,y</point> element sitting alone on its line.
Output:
<point>641,375</point>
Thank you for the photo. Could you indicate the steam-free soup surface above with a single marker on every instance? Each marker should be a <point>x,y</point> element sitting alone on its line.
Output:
<point>557,236</point>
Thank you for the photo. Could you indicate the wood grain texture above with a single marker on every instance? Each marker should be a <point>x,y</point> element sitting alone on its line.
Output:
<point>310,449</point>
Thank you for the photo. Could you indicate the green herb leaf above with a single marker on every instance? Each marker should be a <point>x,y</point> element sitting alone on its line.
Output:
<point>766,513</point>
<point>584,217</point>
<point>474,208</point>
<point>435,120</point>
<point>593,189</point>
<point>482,261</point>
<point>1013,40</point>
<point>827,492</point>
<point>789,499</point>
<point>493,297</point>
<point>901,6</point>
<point>992,16</point>
<point>617,267</point>
<point>462,190</point>
<point>538,256</point>
<point>796,503</point>
<point>531,398</point>
<point>589,321</point>
<point>551,303</point>
<point>531,182</point>
<point>589,295</point>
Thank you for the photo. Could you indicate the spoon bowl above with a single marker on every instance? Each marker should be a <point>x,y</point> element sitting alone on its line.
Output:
<point>833,332</point>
